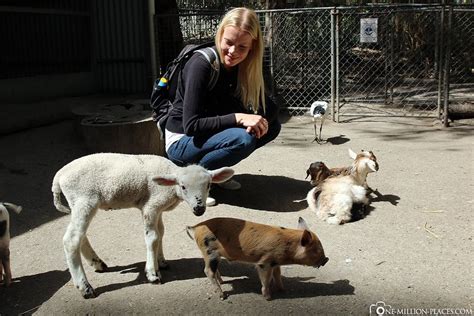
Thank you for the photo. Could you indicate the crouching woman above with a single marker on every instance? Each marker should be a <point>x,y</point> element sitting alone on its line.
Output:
<point>221,127</point>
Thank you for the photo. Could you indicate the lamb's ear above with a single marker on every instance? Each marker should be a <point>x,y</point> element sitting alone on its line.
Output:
<point>352,154</point>
<point>12,207</point>
<point>306,238</point>
<point>302,224</point>
<point>221,174</point>
<point>165,180</point>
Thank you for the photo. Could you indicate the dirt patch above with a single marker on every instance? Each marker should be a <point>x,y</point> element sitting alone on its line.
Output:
<point>413,250</point>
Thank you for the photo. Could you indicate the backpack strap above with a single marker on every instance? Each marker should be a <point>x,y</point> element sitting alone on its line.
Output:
<point>211,55</point>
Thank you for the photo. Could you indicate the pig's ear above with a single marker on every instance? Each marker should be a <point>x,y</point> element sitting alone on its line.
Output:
<point>302,224</point>
<point>306,239</point>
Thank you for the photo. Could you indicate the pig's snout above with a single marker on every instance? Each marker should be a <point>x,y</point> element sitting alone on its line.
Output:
<point>325,260</point>
<point>199,210</point>
<point>322,262</point>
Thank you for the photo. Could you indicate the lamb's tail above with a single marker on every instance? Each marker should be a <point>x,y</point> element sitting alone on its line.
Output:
<point>189,229</point>
<point>12,207</point>
<point>56,189</point>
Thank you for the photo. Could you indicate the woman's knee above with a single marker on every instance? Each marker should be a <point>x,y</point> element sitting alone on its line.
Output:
<point>239,138</point>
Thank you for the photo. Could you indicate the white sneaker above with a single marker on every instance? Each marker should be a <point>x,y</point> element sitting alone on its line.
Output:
<point>230,185</point>
<point>210,201</point>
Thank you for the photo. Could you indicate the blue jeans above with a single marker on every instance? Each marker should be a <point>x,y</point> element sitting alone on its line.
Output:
<point>223,149</point>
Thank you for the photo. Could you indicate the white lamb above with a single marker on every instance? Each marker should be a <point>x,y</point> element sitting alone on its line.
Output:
<point>5,241</point>
<point>332,199</point>
<point>150,183</point>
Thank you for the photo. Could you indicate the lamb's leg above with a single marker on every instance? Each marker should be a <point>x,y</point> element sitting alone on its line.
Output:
<point>1,270</point>
<point>152,240</point>
<point>159,249</point>
<point>6,266</point>
<point>80,218</point>
<point>91,257</point>
<point>265,274</point>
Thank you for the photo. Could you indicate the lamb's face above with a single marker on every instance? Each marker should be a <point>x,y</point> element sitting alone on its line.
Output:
<point>193,187</point>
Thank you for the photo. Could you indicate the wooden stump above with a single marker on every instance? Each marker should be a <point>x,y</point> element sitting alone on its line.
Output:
<point>130,133</point>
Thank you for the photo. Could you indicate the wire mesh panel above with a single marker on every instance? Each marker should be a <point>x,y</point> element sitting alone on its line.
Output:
<point>173,32</point>
<point>394,73</point>
<point>301,57</point>
<point>461,78</point>
<point>319,54</point>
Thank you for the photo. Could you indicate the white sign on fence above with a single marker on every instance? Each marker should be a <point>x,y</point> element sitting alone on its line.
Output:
<point>368,30</point>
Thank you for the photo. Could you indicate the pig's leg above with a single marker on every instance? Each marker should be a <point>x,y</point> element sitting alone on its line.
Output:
<point>277,278</point>
<point>212,262</point>
<point>265,274</point>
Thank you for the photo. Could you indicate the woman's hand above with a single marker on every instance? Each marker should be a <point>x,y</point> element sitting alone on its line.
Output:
<point>255,124</point>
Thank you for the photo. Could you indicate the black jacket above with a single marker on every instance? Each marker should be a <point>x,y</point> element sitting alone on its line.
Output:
<point>197,111</point>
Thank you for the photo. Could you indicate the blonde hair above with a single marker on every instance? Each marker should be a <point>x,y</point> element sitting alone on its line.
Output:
<point>250,76</point>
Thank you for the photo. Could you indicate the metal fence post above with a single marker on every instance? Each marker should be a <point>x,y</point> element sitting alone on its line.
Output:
<point>337,65</point>
<point>389,61</point>
<point>333,64</point>
<point>447,67</point>
<point>440,61</point>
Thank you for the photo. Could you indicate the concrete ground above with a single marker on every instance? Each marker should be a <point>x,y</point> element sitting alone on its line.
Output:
<point>413,251</point>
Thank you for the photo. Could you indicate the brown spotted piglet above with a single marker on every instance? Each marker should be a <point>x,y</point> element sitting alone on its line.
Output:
<point>268,247</point>
<point>6,278</point>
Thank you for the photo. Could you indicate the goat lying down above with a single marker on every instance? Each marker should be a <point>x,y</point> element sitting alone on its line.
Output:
<point>332,199</point>
<point>150,183</point>
<point>5,241</point>
<point>318,171</point>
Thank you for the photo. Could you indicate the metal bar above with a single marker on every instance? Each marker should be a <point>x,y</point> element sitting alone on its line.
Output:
<point>42,11</point>
<point>440,62</point>
<point>333,64</point>
<point>447,66</point>
<point>392,81</point>
<point>337,65</point>
<point>151,29</point>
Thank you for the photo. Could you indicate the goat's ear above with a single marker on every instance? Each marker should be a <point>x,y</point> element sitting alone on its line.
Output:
<point>221,174</point>
<point>371,165</point>
<point>306,238</point>
<point>352,154</point>
<point>166,180</point>
<point>302,224</point>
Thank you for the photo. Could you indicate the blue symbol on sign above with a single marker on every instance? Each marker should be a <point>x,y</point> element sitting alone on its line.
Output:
<point>369,30</point>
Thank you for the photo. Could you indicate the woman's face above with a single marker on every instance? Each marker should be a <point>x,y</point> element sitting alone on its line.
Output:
<point>235,46</point>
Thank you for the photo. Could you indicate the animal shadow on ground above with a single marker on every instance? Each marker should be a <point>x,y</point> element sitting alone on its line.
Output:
<point>266,193</point>
<point>246,280</point>
<point>180,269</point>
<point>359,211</point>
<point>26,294</point>
<point>338,140</point>
<point>379,197</point>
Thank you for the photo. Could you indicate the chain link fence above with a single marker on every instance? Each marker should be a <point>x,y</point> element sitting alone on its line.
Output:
<point>419,61</point>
